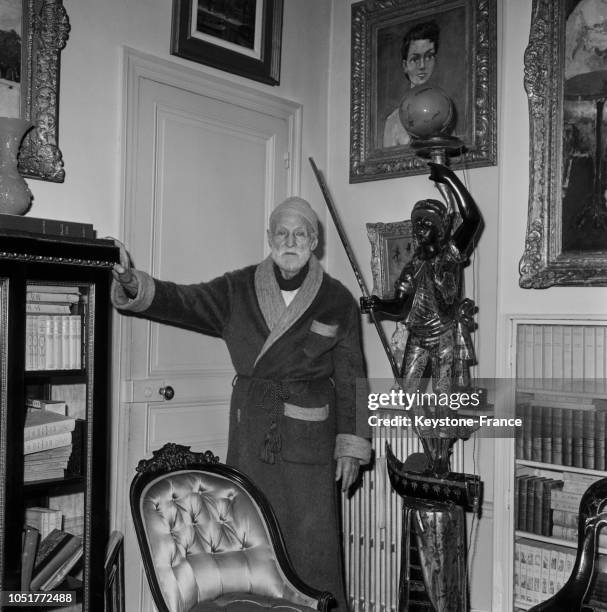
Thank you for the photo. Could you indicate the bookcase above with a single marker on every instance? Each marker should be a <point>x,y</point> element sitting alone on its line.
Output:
<point>559,371</point>
<point>54,412</point>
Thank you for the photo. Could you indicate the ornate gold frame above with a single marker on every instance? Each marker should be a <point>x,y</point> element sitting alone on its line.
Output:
<point>45,31</point>
<point>383,238</point>
<point>544,263</point>
<point>368,160</point>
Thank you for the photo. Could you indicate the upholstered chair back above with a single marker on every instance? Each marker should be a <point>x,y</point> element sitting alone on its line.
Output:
<point>205,535</point>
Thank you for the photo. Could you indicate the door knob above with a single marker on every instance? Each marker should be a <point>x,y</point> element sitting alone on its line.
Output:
<point>167,392</point>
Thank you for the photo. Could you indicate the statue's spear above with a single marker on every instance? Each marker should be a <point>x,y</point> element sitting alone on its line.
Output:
<point>361,282</point>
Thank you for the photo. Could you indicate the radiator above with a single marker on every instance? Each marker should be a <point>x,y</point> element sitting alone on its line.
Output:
<point>372,526</point>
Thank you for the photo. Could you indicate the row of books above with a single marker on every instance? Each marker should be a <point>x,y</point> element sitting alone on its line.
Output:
<point>46,562</point>
<point>53,342</point>
<point>47,442</point>
<point>540,570</point>
<point>532,503</point>
<point>562,432</point>
<point>549,506</point>
<point>562,357</point>
<point>53,328</point>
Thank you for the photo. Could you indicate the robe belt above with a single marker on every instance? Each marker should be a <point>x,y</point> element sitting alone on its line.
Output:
<point>278,393</point>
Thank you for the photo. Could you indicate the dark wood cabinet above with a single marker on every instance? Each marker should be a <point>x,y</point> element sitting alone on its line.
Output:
<point>55,349</point>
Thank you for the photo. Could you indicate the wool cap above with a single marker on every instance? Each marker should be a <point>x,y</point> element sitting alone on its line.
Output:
<point>298,206</point>
<point>434,209</point>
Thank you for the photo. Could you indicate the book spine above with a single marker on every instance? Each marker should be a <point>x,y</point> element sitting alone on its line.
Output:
<point>530,504</point>
<point>39,296</point>
<point>546,428</point>
<point>538,505</point>
<point>599,440</point>
<point>44,430</point>
<point>568,436</point>
<point>578,438</point>
<point>40,444</point>
<point>47,308</point>
<point>588,425</point>
<point>30,544</point>
<point>557,436</point>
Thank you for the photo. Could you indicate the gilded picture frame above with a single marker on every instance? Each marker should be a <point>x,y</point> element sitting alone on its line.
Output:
<point>243,38</point>
<point>37,30</point>
<point>391,249</point>
<point>566,237</point>
<point>465,68</point>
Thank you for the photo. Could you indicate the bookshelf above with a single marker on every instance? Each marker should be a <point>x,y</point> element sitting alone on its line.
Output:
<point>559,370</point>
<point>54,405</point>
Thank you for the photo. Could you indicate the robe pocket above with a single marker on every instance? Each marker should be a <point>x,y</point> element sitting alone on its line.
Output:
<point>321,338</point>
<point>307,435</point>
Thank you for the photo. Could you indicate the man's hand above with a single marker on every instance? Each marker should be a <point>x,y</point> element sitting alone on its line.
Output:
<point>123,272</point>
<point>347,471</point>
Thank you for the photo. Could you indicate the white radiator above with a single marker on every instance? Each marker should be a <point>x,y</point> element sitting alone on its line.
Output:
<point>372,525</point>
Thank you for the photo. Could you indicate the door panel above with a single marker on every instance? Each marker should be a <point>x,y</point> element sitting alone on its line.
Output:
<point>204,168</point>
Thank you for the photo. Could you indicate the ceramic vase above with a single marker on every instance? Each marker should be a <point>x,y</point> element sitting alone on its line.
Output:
<point>15,196</point>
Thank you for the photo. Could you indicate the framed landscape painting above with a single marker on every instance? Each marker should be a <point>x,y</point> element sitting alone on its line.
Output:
<point>238,36</point>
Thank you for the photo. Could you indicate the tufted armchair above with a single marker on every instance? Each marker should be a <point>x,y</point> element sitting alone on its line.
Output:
<point>209,539</point>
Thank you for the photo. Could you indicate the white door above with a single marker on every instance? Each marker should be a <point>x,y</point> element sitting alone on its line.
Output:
<point>205,163</point>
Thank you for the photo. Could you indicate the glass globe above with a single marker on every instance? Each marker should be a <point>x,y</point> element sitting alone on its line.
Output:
<point>427,112</point>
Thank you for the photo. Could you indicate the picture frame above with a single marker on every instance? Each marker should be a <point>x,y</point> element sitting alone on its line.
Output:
<point>31,83</point>
<point>566,236</point>
<point>466,54</point>
<point>392,248</point>
<point>243,38</point>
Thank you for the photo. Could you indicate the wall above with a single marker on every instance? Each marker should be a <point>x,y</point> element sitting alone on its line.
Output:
<point>90,111</point>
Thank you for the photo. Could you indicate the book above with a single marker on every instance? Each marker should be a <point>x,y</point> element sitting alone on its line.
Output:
<point>49,227</point>
<point>568,436</point>
<point>62,571</point>
<point>43,519</point>
<point>52,441</point>
<point>57,406</point>
<point>53,552</point>
<point>28,555</point>
<point>578,483</point>
<point>548,486</point>
<point>538,505</point>
<point>588,429</point>
<point>47,308</point>
<point>40,423</point>
<point>74,395</point>
<point>546,425</point>
<point>557,436</point>
<point>50,296</point>
<point>67,289</point>
<point>561,500</point>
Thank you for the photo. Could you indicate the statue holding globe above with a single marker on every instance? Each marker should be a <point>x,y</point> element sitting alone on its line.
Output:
<point>429,293</point>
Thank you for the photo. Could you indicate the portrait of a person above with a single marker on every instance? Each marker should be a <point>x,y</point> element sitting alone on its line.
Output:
<point>418,60</point>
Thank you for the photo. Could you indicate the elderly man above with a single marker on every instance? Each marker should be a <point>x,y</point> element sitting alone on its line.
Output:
<point>292,333</point>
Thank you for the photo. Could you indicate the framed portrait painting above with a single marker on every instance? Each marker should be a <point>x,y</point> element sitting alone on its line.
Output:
<point>238,36</point>
<point>32,35</point>
<point>398,45</point>
<point>391,249</point>
<point>566,84</point>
